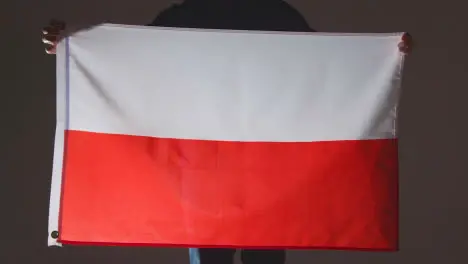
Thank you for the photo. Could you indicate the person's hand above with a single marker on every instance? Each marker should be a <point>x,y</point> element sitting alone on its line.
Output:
<point>406,44</point>
<point>52,34</point>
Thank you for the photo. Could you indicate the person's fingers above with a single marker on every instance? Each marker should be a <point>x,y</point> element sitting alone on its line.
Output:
<point>405,44</point>
<point>407,41</point>
<point>49,30</point>
<point>50,39</point>
<point>406,37</point>
<point>402,47</point>
<point>52,34</point>
<point>54,28</point>
<point>51,49</point>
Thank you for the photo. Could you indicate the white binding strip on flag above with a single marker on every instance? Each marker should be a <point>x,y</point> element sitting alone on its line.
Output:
<point>234,85</point>
<point>59,143</point>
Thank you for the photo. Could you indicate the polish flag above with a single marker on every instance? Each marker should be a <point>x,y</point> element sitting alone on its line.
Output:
<point>218,138</point>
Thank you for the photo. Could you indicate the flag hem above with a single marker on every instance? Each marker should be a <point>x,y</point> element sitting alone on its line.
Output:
<point>338,34</point>
<point>62,80</point>
<point>337,248</point>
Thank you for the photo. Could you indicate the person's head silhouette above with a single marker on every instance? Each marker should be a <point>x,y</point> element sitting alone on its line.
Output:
<point>265,15</point>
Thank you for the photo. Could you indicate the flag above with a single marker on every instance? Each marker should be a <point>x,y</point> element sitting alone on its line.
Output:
<point>218,138</point>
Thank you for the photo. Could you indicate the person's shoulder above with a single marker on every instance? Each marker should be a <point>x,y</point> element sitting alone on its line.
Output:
<point>293,16</point>
<point>168,16</point>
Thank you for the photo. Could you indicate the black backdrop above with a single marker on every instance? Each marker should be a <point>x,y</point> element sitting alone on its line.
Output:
<point>433,139</point>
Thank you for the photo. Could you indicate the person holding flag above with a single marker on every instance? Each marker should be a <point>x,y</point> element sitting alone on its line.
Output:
<point>265,15</point>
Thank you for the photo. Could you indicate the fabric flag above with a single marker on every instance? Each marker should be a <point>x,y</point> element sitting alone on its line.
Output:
<point>218,138</point>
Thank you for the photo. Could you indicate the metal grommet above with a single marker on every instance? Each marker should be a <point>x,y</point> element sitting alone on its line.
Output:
<point>54,234</point>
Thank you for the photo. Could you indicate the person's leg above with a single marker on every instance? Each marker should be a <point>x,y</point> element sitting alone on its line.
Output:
<point>194,256</point>
<point>211,255</point>
<point>263,256</point>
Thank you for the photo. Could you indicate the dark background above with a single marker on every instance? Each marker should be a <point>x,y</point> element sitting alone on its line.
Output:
<point>433,133</point>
